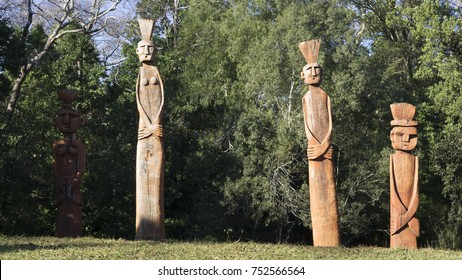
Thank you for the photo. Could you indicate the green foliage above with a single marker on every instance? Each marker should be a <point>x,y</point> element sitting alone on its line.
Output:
<point>25,163</point>
<point>7,46</point>
<point>418,43</point>
<point>236,166</point>
<point>28,190</point>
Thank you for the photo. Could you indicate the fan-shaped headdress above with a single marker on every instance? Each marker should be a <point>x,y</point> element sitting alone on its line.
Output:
<point>403,113</point>
<point>310,50</point>
<point>146,28</point>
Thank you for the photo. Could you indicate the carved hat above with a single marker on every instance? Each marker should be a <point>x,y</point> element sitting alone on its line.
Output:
<point>310,50</point>
<point>146,28</point>
<point>403,113</point>
<point>67,96</point>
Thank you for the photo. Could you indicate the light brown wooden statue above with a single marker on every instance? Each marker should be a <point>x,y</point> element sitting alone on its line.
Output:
<point>318,128</point>
<point>68,165</point>
<point>150,222</point>
<point>404,178</point>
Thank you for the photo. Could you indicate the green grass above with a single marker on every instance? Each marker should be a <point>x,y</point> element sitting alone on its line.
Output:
<point>48,248</point>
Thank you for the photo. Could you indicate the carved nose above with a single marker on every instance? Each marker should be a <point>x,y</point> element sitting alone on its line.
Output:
<point>66,118</point>
<point>406,137</point>
<point>313,72</point>
<point>146,50</point>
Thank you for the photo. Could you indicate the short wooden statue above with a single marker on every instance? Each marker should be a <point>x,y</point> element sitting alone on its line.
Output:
<point>68,165</point>
<point>404,178</point>
<point>318,129</point>
<point>150,223</point>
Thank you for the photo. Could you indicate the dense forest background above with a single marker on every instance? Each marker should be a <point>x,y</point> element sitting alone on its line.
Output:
<point>236,166</point>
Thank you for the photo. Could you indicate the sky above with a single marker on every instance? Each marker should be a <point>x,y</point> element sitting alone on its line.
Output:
<point>108,43</point>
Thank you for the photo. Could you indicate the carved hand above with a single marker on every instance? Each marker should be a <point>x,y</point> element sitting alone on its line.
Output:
<point>397,222</point>
<point>394,225</point>
<point>77,177</point>
<point>143,133</point>
<point>415,226</point>
<point>315,151</point>
<point>149,130</point>
<point>158,131</point>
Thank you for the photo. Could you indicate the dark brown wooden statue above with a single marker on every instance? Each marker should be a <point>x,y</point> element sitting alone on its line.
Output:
<point>68,165</point>
<point>404,178</point>
<point>318,128</point>
<point>150,223</point>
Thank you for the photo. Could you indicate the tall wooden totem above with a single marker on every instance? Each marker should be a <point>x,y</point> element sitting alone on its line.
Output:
<point>68,165</point>
<point>318,128</point>
<point>404,178</point>
<point>150,224</point>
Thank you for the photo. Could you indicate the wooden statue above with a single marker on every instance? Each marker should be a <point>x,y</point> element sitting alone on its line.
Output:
<point>150,223</point>
<point>318,128</point>
<point>404,178</point>
<point>68,165</point>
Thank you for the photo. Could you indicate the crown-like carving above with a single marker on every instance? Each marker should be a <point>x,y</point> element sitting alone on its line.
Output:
<point>67,96</point>
<point>146,28</point>
<point>403,113</point>
<point>310,50</point>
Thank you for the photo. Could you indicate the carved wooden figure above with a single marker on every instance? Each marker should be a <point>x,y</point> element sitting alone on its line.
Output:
<point>68,165</point>
<point>318,128</point>
<point>404,178</point>
<point>150,223</point>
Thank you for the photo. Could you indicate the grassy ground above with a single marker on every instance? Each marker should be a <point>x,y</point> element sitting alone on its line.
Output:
<point>39,248</point>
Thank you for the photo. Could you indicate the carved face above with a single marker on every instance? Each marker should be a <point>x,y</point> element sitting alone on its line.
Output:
<point>312,74</point>
<point>68,121</point>
<point>403,138</point>
<point>146,51</point>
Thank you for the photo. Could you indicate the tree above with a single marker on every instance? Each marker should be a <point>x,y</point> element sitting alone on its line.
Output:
<point>249,87</point>
<point>28,188</point>
<point>418,44</point>
<point>437,25</point>
<point>235,146</point>
<point>55,16</point>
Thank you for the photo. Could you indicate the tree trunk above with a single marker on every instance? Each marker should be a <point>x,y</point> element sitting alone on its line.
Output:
<point>16,91</point>
<point>60,23</point>
<point>175,21</point>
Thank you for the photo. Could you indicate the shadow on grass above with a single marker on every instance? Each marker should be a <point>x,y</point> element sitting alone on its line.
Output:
<point>66,243</point>
<point>28,247</point>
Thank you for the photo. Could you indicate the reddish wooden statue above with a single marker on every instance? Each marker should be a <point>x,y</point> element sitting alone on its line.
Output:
<point>68,165</point>
<point>318,128</point>
<point>150,151</point>
<point>404,178</point>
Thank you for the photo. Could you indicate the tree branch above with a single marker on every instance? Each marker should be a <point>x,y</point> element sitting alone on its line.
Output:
<point>60,16</point>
